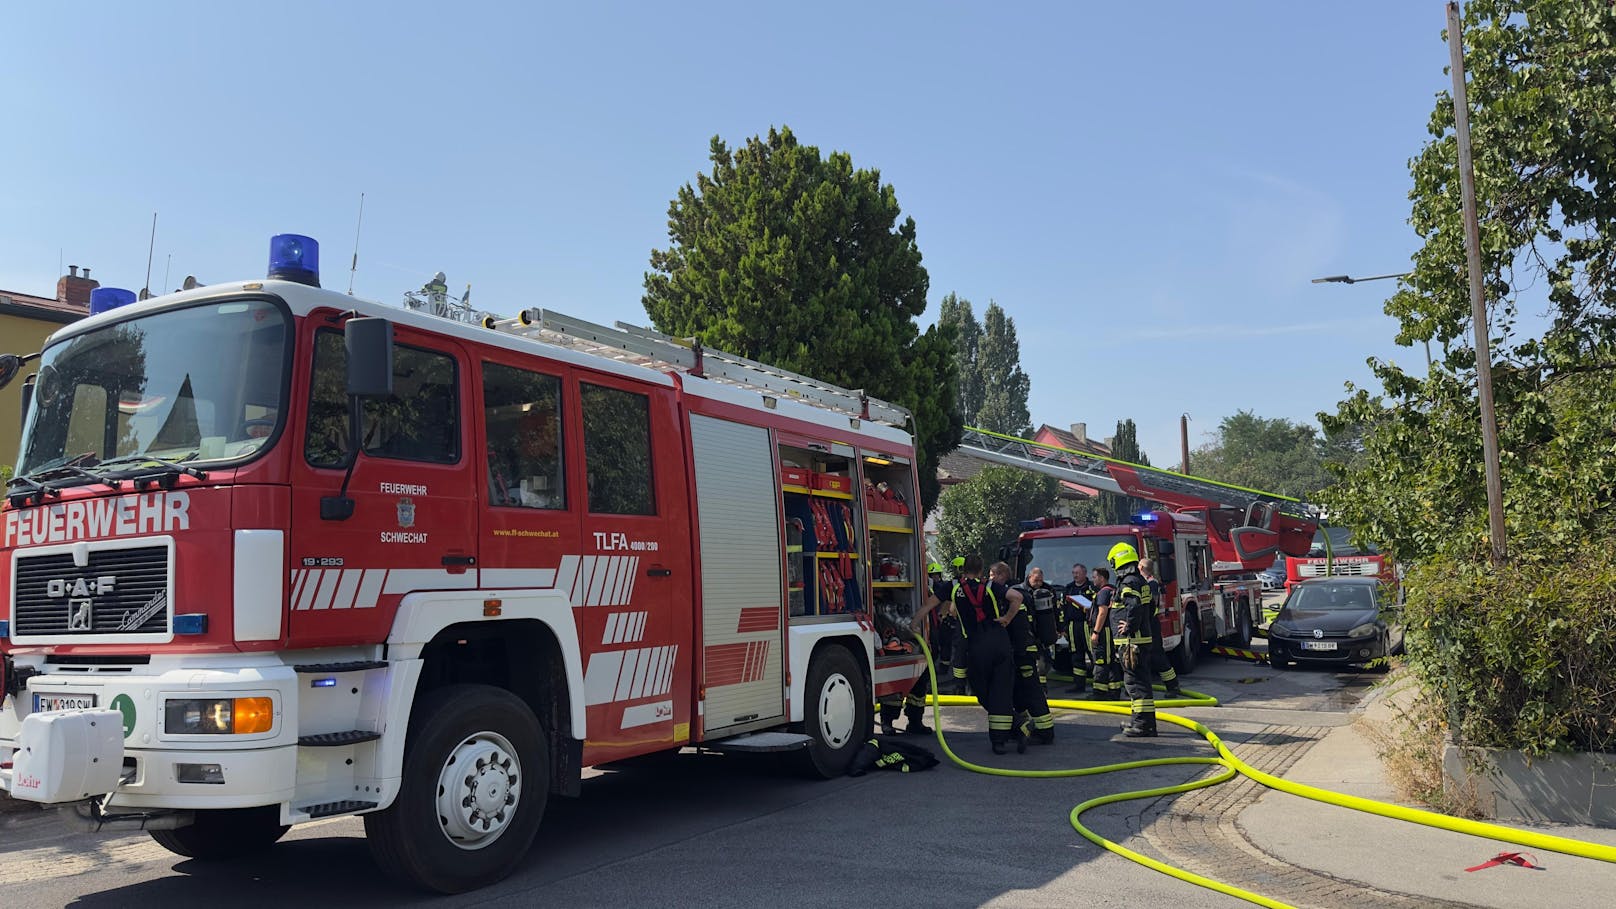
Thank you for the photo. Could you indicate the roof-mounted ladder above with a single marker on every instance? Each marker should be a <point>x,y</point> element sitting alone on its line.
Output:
<point>1111,475</point>
<point>644,347</point>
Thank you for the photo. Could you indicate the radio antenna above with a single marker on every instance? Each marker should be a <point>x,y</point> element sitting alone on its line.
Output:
<point>166,268</point>
<point>354,266</point>
<point>149,250</point>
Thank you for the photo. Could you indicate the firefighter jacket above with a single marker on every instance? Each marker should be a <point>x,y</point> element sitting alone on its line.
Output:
<point>979,604</point>
<point>1074,612</point>
<point>1135,606</point>
<point>1042,598</point>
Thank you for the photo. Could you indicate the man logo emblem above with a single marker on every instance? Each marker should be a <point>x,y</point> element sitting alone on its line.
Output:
<point>1318,632</point>
<point>406,512</point>
<point>79,615</point>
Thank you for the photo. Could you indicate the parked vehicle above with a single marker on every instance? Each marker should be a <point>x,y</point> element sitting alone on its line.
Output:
<point>1341,621</point>
<point>1334,554</point>
<point>1272,577</point>
<point>274,553</point>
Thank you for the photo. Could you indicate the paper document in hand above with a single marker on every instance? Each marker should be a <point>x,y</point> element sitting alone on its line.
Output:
<point>1080,600</point>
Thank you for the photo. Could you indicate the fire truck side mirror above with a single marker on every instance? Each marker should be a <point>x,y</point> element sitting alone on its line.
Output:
<point>11,364</point>
<point>369,344</point>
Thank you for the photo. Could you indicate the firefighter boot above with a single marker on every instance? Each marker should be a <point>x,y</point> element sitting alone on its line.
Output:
<point>916,715</point>
<point>889,719</point>
<point>1142,725</point>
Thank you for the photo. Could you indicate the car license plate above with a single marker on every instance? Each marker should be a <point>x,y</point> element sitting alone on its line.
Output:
<point>1318,645</point>
<point>44,702</point>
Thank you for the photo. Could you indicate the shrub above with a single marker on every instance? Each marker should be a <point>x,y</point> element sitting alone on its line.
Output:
<point>1524,657</point>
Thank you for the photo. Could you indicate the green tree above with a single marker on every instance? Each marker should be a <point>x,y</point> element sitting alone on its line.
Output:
<point>956,313</point>
<point>1116,509</point>
<point>799,260</point>
<point>1004,385</point>
<point>1274,455</point>
<point>984,512</point>
<point>1516,655</point>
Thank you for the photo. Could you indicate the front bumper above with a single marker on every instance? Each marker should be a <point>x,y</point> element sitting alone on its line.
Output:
<point>1348,650</point>
<point>252,770</point>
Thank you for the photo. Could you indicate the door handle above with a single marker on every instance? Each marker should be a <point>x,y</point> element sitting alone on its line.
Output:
<point>459,561</point>
<point>659,572</point>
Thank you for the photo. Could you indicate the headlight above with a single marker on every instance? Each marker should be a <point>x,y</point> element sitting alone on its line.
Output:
<point>218,716</point>
<point>1364,631</point>
<point>1277,628</point>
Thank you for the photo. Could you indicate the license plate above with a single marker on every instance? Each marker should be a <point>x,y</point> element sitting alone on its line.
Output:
<point>1318,645</point>
<point>44,702</point>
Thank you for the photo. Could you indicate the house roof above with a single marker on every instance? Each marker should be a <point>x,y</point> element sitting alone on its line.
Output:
<point>31,307</point>
<point>1065,439</point>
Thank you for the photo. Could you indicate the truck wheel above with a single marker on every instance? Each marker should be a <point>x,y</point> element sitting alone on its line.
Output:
<point>225,833</point>
<point>1188,652</point>
<point>837,713</point>
<point>1243,627</point>
<point>476,778</point>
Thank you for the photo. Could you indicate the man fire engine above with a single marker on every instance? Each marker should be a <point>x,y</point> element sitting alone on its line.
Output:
<point>274,554</point>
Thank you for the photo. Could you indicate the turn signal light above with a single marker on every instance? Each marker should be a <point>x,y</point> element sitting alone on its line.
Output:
<point>218,716</point>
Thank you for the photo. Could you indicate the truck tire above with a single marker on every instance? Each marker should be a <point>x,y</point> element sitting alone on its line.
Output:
<point>476,779</point>
<point>225,833</point>
<point>1188,652</point>
<point>1244,630</point>
<point>836,713</point>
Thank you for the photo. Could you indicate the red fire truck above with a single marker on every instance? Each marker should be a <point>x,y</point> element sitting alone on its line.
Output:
<point>1207,544</point>
<point>1337,556</point>
<point>274,554</point>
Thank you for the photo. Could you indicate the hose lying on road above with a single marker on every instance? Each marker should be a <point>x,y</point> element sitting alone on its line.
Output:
<point>1232,766</point>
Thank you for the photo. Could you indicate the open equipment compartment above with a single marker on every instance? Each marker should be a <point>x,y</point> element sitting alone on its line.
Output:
<point>824,554</point>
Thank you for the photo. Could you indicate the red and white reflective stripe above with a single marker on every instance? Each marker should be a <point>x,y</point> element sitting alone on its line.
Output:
<point>315,589</point>
<point>627,675</point>
<point>624,628</point>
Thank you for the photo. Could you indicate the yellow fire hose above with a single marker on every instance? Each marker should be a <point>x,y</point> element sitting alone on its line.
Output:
<point>1231,767</point>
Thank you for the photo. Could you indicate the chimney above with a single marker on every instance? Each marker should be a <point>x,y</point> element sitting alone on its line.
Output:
<point>74,289</point>
<point>1080,431</point>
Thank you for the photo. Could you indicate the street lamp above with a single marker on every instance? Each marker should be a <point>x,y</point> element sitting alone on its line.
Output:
<point>1348,279</point>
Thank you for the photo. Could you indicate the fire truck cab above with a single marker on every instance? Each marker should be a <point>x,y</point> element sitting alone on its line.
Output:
<point>274,553</point>
<point>1204,600</point>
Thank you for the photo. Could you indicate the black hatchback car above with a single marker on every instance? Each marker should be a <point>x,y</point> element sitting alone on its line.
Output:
<point>1344,621</point>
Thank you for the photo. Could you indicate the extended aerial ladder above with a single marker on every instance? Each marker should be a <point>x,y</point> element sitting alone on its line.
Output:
<point>1246,525</point>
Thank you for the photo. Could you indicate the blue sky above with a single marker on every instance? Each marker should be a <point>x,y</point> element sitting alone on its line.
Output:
<point>1147,188</point>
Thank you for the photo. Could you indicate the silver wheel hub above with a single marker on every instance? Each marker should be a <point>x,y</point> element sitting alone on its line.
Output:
<point>479,790</point>
<point>838,708</point>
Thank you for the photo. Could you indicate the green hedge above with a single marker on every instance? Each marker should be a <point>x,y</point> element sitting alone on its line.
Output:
<point>1524,657</point>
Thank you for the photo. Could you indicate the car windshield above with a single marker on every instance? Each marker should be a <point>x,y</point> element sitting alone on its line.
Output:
<point>203,383</point>
<point>1332,598</point>
<point>1057,555</point>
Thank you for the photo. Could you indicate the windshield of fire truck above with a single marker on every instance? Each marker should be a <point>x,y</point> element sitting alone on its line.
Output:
<point>1057,555</point>
<point>203,383</point>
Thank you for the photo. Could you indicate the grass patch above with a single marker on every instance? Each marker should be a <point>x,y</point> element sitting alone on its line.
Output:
<point>1410,744</point>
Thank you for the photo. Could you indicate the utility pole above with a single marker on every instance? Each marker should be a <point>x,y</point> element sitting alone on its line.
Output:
<point>1184,442</point>
<point>1478,301</point>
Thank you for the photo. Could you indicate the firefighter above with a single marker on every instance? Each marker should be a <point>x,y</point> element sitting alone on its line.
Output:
<point>1107,675</point>
<point>985,609</point>
<point>926,624</point>
<point>958,661</point>
<point>946,627</point>
<point>1028,687</point>
<point>1043,601</point>
<point>1159,663</point>
<point>1075,625</point>
<point>1131,616</point>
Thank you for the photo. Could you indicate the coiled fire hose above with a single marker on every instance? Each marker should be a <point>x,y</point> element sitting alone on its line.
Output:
<point>1231,766</point>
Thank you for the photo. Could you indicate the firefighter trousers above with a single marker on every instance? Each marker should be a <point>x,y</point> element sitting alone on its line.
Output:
<point>1107,674</point>
<point>992,676</point>
<point>1027,696</point>
<point>1076,626</point>
<point>1160,665</point>
<point>1136,682</point>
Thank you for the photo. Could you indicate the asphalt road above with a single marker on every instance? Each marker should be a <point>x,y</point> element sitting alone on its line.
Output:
<point>727,830</point>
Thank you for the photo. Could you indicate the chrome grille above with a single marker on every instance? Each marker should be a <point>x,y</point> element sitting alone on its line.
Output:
<point>57,598</point>
<point>1349,569</point>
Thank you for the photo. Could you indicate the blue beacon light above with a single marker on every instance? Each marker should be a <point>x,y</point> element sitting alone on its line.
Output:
<point>103,299</point>
<point>294,257</point>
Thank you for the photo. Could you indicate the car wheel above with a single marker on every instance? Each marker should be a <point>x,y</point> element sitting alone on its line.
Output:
<point>225,833</point>
<point>837,714</point>
<point>476,779</point>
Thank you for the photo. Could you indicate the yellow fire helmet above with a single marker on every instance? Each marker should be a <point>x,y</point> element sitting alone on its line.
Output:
<point>934,568</point>
<point>959,562</point>
<point>1122,554</point>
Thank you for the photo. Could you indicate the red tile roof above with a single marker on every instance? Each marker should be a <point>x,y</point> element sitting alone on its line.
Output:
<point>29,305</point>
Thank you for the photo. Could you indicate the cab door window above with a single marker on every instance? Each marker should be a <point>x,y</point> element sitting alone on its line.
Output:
<point>419,422</point>
<point>617,450</point>
<point>522,419</point>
